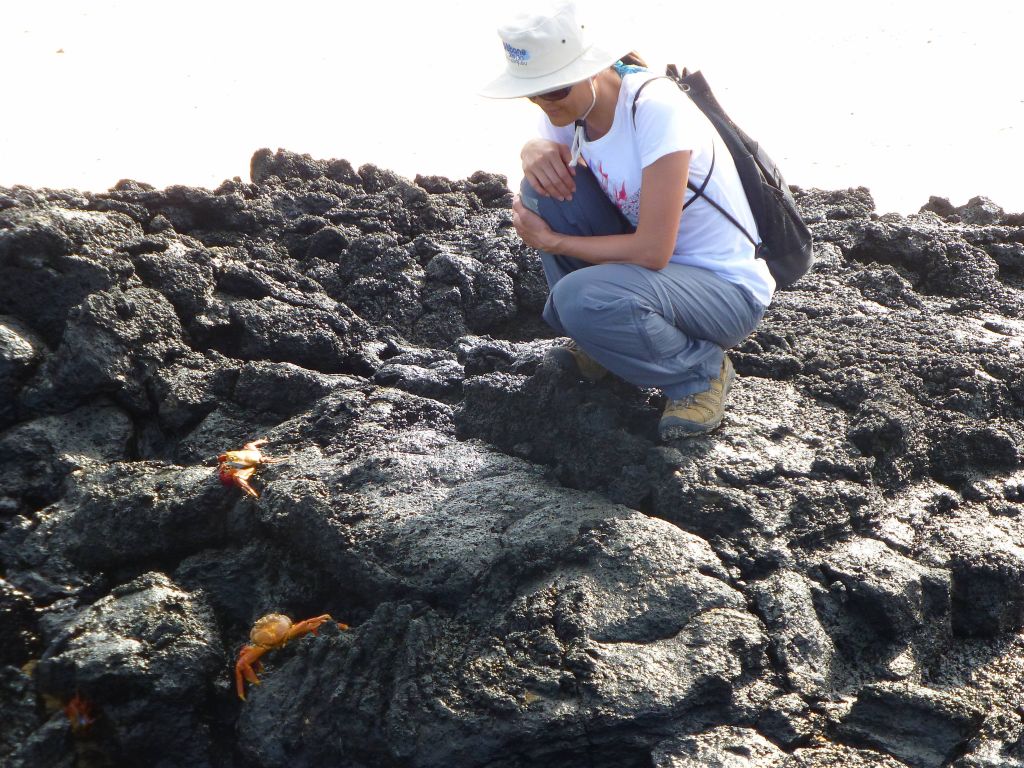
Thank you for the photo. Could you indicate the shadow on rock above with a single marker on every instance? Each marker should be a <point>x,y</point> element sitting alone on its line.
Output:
<point>529,577</point>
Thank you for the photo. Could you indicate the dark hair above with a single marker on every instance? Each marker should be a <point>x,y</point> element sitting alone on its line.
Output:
<point>634,58</point>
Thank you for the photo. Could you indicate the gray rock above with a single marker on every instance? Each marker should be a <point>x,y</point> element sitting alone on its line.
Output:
<point>185,276</point>
<point>887,287</point>
<point>189,389</point>
<point>837,756</point>
<point>922,727</point>
<point>308,337</point>
<point>979,210</point>
<point>999,744</point>
<point>227,428</point>
<point>787,721</point>
<point>724,747</point>
<point>818,205</point>
<point>943,264</point>
<point>48,745</point>
<point>940,206</point>
<point>18,638</point>
<point>885,596</point>
<point>20,710</point>
<point>111,344</point>
<point>38,455</point>
<point>144,656</point>
<point>986,566</point>
<point>137,513</point>
<point>438,375</point>
<point>529,577</point>
<point>283,388</point>
<point>20,352</point>
<point>53,257</point>
<point>799,642</point>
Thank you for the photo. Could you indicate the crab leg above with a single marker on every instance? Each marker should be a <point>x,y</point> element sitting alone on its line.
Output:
<point>240,477</point>
<point>248,656</point>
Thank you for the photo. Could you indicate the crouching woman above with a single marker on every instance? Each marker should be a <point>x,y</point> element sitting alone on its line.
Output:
<point>649,280</point>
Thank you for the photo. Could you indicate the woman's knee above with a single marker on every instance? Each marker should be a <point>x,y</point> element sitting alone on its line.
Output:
<point>559,214</point>
<point>583,303</point>
<point>529,196</point>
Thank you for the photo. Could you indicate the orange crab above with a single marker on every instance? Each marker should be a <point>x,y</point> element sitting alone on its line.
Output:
<point>270,632</point>
<point>236,467</point>
<point>79,713</point>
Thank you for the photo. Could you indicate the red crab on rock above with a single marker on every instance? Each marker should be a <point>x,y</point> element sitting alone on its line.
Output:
<point>270,632</point>
<point>236,467</point>
<point>79,713</point>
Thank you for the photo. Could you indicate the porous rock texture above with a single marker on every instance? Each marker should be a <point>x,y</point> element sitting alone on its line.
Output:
<point>529,578</point>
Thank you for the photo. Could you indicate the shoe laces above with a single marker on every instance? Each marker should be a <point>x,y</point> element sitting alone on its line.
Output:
<point>692,401</point>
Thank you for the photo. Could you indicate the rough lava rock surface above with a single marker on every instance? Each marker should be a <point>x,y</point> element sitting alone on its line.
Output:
<point>832,579</point>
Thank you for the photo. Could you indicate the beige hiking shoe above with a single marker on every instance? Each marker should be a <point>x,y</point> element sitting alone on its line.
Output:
<point>572,359</point>
<point>700,413</point>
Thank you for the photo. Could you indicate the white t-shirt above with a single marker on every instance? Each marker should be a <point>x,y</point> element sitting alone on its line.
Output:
<point>668,121</point>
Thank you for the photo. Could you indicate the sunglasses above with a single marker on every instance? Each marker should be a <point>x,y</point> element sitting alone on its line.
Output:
<point>556,95</point>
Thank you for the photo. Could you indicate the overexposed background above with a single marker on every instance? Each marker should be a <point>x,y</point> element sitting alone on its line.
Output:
<point>909,99</point>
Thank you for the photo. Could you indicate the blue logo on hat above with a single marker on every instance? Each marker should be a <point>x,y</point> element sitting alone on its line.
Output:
<point>516,55</point>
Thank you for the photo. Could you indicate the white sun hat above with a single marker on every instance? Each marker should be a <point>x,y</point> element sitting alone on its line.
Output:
<point>545,50</point>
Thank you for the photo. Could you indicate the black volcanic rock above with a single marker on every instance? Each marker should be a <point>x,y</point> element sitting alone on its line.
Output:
<point>18,629</point>
<point>832,579</point>
<point>143,656</point>
<point>923,727</point>
<point>53,257</point>
<point>38,454</point>
<point>21,352</point>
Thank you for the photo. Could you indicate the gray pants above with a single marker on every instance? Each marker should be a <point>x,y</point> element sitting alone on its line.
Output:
<point>666,328</point>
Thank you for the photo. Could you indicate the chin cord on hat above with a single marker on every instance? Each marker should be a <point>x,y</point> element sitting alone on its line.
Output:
<point>577,136</point>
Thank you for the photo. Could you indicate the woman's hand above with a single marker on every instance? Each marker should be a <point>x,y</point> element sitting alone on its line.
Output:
<point>546,167</point>
<point>534,231</point>
<point>662,189</point>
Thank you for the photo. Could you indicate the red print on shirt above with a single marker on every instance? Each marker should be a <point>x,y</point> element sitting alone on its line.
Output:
<point>602,178</point>
<point>619,197</point>
<point>628,204</point>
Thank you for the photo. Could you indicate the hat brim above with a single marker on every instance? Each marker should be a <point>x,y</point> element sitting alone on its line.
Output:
<point>587,64</point>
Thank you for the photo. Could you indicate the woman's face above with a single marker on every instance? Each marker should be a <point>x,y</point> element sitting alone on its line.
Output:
<point>564,110</point>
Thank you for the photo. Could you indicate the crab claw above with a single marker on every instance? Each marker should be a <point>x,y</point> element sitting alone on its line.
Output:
<point>309,625</point>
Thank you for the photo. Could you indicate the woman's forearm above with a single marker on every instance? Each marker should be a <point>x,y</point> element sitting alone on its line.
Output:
<point>653,242</point>
<point>611,249</point>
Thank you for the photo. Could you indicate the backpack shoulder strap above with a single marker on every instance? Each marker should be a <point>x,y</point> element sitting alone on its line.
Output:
<point>643,85</point>
<point>722,210</point>
<point>697,191</point>
<point>673,75</point>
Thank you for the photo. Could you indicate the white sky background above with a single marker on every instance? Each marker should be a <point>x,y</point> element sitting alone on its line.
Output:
<point>909,99</point>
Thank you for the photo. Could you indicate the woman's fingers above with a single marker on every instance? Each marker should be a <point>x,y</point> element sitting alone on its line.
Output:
<point>562,181</point>
<point>534,182</point>
<point>546,167</point>
<point>556,180</point>
<point>530,227</point>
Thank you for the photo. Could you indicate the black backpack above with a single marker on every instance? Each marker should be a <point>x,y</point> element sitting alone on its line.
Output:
<point>786,243</point>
